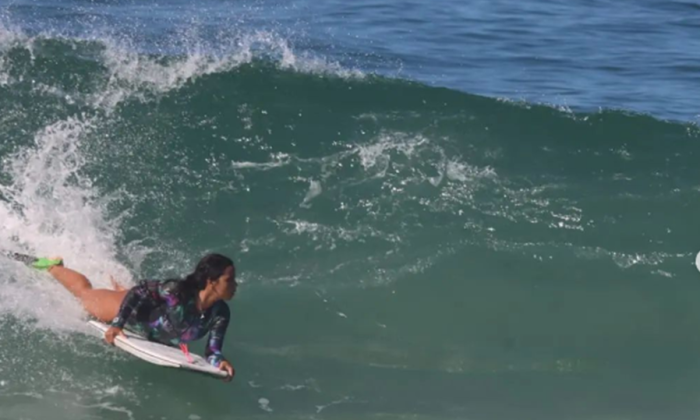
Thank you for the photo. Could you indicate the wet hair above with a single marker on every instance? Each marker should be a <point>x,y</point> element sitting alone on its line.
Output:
<point>210,267</point>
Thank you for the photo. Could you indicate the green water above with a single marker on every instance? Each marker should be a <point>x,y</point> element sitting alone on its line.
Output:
<point>404,251</point>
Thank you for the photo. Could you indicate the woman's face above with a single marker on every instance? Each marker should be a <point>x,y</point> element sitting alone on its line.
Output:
<point>225,286</point>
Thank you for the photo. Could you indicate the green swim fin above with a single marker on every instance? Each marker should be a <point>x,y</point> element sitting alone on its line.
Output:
<point>34,262</point>
<point>46,263</point>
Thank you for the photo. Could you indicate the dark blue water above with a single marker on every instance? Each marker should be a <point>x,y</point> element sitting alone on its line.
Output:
<point>639,56</point>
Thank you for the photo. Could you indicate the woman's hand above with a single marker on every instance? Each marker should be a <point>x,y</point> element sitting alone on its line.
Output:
<point>112,333</point>
<point>225,365</point>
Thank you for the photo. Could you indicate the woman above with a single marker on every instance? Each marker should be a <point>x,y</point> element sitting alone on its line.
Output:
<point>170,312</point>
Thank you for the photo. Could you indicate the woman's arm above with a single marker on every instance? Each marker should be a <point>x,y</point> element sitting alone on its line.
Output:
<point>215,344</point>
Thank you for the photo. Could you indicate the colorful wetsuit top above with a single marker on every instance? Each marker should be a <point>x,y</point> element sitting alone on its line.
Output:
<point>160,312</point>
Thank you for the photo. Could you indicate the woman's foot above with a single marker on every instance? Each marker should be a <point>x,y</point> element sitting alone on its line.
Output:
<point>47,263</point>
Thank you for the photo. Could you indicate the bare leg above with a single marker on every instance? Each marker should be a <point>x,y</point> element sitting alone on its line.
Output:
<point>103,304</point>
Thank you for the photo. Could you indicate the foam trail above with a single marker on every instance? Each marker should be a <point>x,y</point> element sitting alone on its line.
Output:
<point>50,208</point>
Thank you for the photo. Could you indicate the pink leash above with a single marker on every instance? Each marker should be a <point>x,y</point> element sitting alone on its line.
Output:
<point>185,350</point>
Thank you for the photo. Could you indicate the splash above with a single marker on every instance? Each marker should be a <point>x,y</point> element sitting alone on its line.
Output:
<point>50,208</point>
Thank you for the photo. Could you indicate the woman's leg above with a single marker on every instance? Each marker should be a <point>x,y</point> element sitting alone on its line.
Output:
<point>103,304</point>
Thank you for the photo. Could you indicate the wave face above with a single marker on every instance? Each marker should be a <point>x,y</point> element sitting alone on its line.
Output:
<point>404,250</point>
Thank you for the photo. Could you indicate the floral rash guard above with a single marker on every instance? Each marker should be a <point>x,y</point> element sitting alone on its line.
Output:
<point>159,312</point>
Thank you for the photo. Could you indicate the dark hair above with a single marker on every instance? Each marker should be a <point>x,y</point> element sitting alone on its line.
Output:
<point>211,266</point>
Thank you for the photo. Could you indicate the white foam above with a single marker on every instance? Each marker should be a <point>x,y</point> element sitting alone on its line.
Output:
<point>134,74</point>
<point>463,172</point>
<point>265,405</point>
<point>315,190</point>
<point>50,208</point>
<point>110,407</point>
<point>289,387</point>
<point>279,48</point>
<point>278,160</point>
<point>371,154</point>
<point>320,408</point>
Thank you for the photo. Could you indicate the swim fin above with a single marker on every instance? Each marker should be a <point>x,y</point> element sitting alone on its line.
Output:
<point>34,262</point>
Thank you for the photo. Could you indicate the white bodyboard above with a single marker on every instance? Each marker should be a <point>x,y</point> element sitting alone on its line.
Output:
<point>160,354</point>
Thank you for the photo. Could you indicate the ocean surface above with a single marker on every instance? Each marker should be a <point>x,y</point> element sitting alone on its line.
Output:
<point>475,210</point>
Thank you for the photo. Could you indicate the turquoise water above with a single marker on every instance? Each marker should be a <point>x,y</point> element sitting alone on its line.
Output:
<point>438,211</point>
